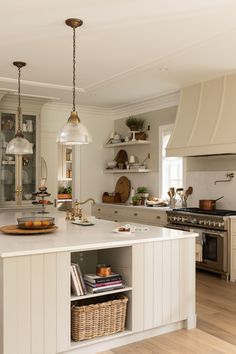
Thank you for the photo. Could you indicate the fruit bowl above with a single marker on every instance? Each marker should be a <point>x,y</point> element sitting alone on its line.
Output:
<point>35,222</point>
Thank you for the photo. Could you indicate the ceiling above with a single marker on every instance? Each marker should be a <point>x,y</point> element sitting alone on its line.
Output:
<point>123,48</point>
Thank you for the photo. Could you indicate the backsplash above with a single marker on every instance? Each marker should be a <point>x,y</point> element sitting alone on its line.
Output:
<point>204,187</point>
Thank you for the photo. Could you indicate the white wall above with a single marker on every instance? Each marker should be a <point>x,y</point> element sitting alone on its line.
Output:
<point>154,119</point>
<point>89,159</point>
<point>202,172</point>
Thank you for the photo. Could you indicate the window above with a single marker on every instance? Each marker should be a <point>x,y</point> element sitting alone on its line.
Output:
<point>170,168</point>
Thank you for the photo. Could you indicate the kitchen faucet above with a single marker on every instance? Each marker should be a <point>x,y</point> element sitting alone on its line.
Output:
<point>77,210</point>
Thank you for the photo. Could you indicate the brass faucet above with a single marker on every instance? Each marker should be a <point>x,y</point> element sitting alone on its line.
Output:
<point>77,210</point>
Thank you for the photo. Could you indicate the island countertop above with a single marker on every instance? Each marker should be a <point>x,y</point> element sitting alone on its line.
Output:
<point>70,237</point>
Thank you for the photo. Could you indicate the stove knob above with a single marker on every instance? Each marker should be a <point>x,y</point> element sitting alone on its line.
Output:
<point>201,222</point>
<point>184,219</point>
<point>204,222</point>
<point>193,221</point>
<point>210,223</point>
<point>221,224</point>
<point>214,223</point>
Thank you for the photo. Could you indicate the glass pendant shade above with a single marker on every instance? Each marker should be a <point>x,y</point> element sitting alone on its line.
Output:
<point>19,146</point>
<point>74,132</point>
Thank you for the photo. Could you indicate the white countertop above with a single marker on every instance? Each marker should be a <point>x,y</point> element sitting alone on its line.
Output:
<point>71,237</point>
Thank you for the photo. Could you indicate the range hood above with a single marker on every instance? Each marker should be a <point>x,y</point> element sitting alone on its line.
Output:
<point>206,119</point>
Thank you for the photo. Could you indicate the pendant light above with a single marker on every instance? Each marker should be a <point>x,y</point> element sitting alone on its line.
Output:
<point>19,145</point>
<point>74,132</point>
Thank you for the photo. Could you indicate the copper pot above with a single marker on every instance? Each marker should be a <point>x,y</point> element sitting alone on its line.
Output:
<point>208,204</point>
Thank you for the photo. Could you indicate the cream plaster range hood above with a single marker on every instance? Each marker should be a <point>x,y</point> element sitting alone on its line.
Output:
<point>206,119</point>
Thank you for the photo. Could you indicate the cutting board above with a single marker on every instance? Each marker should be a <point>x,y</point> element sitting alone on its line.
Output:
<point>123,187</point>
<point>15,230</point>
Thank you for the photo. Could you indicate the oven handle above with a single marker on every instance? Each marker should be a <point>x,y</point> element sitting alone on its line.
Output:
<point>213,232</point>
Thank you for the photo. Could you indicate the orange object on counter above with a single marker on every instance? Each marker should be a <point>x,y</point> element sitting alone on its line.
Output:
<point>103,270</point>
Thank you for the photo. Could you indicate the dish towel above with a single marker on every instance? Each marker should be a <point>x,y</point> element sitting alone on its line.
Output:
<point>200,240</point>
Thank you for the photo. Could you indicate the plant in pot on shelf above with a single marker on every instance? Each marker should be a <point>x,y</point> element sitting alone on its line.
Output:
<point>64,192</point>
<point>136,199</point>
<point>143,192</point>
<point>136,124</point>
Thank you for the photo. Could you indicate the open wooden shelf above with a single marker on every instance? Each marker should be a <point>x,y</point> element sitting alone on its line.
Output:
<point>127,171</point>
<point>128,143</point>
<point>89,295</point>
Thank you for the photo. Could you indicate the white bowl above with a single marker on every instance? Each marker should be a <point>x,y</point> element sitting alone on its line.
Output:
<point>111,164</point>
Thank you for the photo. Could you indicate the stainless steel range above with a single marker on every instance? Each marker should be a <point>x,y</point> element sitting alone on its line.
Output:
<point>212,245</point>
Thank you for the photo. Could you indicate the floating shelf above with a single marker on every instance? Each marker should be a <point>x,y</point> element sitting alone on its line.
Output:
<point>64,179</point>
<point>127,171</point>
<point>88,296</point>
<point>129,143</point>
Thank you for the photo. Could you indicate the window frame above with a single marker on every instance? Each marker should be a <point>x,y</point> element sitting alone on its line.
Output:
<point>162,129</point>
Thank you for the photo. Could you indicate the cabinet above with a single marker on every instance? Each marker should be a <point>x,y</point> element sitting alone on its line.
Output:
<point>232,249</point>
<point>150,216</point>
<point>35,298</point>
<point>65,154</point>
<point>19,174</point>
<point>64,163</point>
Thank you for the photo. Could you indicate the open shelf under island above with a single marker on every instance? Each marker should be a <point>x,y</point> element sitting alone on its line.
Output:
<point>157,266</point>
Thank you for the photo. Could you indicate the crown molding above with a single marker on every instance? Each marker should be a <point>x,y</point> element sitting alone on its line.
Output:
<point>150,104</point>
<point>28,103</point>
<point>40,84</point>
<point>82,109</point>
<point>35,104</point>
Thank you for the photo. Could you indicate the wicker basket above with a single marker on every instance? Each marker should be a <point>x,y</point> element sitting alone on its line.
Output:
<point>100,319</point>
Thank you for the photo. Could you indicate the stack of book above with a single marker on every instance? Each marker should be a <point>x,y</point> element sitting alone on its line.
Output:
<point>78,287</point>
<point>96,284</point>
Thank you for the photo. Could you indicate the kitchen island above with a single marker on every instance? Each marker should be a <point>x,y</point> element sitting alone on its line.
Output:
<point>157,266</point>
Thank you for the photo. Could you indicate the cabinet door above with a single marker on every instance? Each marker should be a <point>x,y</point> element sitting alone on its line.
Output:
<point>8,162</point>
<point>29,168</point>
<point>18,172</point>
<point>35,303</point>
<point>163,283</point>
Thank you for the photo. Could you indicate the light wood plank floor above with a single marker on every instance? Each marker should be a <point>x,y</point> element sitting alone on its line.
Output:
<point>216,327</point>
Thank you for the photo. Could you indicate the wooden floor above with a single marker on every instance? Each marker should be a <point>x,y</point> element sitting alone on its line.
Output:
<point>216,326</point>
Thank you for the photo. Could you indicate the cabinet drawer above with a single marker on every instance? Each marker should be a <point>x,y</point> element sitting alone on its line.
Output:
<point>156,217</point>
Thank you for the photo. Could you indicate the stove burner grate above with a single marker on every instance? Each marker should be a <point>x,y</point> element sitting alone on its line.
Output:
<point>220,212</point>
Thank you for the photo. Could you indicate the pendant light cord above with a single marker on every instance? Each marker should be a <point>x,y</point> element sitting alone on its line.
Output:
<point>19,102</point>
<point>74,69</point>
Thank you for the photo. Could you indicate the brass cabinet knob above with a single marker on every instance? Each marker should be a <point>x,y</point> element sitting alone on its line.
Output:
<point>158,217</point>
<point>135,214</point>
<point>115,211</point>
<point>99,209</point>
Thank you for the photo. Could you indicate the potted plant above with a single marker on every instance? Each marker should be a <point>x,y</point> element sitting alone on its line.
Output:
<point>69,191</point>
<point>64,192</point>
<point>132,123</point>
<point>136,124</point>
<point>136,199</point>
<point>143,192</point>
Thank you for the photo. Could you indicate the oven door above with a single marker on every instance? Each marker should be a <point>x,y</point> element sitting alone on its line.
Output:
<point>214,252</point>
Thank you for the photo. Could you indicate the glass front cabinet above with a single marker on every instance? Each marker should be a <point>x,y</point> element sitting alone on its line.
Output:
<point>19,174</point>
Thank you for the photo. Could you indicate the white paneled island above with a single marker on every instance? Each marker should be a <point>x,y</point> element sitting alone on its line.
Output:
<point>157,266</point>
